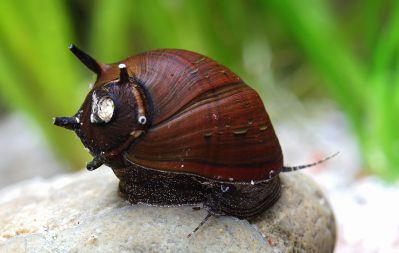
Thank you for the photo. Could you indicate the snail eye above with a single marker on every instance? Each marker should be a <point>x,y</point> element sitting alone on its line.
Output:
<point>102,110</point>
<point>142,120</point>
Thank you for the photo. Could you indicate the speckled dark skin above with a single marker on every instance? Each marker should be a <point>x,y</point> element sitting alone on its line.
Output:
<point>140,185</point>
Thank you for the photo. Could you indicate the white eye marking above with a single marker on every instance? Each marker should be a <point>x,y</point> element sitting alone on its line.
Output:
<point>121,66</point>
<point>142,120</point>
<point>106,109</point>
<point>102,110</point>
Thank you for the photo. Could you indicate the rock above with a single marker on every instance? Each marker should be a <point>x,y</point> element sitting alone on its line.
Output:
<point>82,212</point>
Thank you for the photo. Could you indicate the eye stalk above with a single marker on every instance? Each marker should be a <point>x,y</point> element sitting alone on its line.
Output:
<point>123,75</point>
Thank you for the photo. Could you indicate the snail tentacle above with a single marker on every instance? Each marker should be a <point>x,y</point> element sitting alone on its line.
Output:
<point>300,167</point>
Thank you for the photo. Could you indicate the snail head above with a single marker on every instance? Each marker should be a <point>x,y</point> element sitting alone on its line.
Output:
<point>112,115</point>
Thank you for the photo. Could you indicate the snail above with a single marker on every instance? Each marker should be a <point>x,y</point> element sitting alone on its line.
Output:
<point>178,128</point>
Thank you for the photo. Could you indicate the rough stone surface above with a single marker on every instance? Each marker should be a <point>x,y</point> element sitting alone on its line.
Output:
<point>82,212</point>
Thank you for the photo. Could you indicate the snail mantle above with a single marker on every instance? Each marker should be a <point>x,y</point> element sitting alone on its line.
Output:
<point>83,212</point>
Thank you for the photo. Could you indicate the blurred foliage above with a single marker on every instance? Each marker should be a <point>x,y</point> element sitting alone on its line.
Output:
<point>349,48</point>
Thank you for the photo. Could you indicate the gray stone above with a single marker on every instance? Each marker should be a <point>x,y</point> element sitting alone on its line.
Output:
<point>82,212</point>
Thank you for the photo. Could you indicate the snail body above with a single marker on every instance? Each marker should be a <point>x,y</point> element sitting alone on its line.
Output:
<point>178,128</point>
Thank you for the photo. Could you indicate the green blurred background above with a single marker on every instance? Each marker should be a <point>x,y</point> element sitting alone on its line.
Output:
<point>344,50</point>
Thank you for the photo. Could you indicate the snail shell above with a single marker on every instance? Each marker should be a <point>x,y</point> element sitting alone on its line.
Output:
<point>204,120</point>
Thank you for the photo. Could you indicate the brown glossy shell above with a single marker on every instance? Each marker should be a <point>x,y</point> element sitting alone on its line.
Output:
<point>204,120</point>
